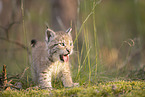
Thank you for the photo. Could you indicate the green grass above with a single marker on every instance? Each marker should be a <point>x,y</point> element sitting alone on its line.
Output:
<point>105,89</point>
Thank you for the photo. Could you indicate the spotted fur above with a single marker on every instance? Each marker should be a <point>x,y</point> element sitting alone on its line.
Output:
<point>50,58</point>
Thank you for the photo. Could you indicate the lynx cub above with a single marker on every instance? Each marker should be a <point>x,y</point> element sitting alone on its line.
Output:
<point>51,58</point>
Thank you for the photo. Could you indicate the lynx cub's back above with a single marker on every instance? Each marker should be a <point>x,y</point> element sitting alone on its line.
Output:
<point>51,58</point>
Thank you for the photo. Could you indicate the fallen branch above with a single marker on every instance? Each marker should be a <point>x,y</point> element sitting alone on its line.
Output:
<point>6,85</point>
<point>19,76</point>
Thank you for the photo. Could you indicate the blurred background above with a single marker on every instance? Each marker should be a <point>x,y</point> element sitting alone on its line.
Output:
<point>108,36</point>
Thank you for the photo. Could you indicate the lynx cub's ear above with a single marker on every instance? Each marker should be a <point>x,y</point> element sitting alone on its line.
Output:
<point>69,31</point>
<point>49,34</point>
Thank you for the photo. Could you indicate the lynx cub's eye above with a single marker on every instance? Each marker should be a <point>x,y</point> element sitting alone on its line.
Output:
<point>62,44</point>
<point>71,44</point>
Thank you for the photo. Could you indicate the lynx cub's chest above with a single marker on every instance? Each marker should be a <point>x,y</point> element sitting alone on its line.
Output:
<point>51,58</point>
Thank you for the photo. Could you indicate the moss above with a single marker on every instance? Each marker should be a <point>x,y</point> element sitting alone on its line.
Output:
<point>106,89</point>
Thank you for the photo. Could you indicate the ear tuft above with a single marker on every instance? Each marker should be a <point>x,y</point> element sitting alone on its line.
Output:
<point>49,34</point>
<point>69,31</point>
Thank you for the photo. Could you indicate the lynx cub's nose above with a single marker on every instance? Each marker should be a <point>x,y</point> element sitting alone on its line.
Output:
<point>68,51</point>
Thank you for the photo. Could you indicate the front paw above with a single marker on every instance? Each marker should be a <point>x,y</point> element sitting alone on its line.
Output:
<point>76,84</point>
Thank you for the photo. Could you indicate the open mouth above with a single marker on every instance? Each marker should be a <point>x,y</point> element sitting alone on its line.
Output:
<point>64,58</point>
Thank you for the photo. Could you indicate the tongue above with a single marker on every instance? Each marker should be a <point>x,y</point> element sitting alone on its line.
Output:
<point>66,58</point>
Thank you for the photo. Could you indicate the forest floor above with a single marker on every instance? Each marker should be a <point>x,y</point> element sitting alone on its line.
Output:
<point>103,89</point>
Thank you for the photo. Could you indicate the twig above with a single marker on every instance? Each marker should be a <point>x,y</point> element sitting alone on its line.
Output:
<point>5,84</point>
<point>18,75</point>
<point>24,72</point>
